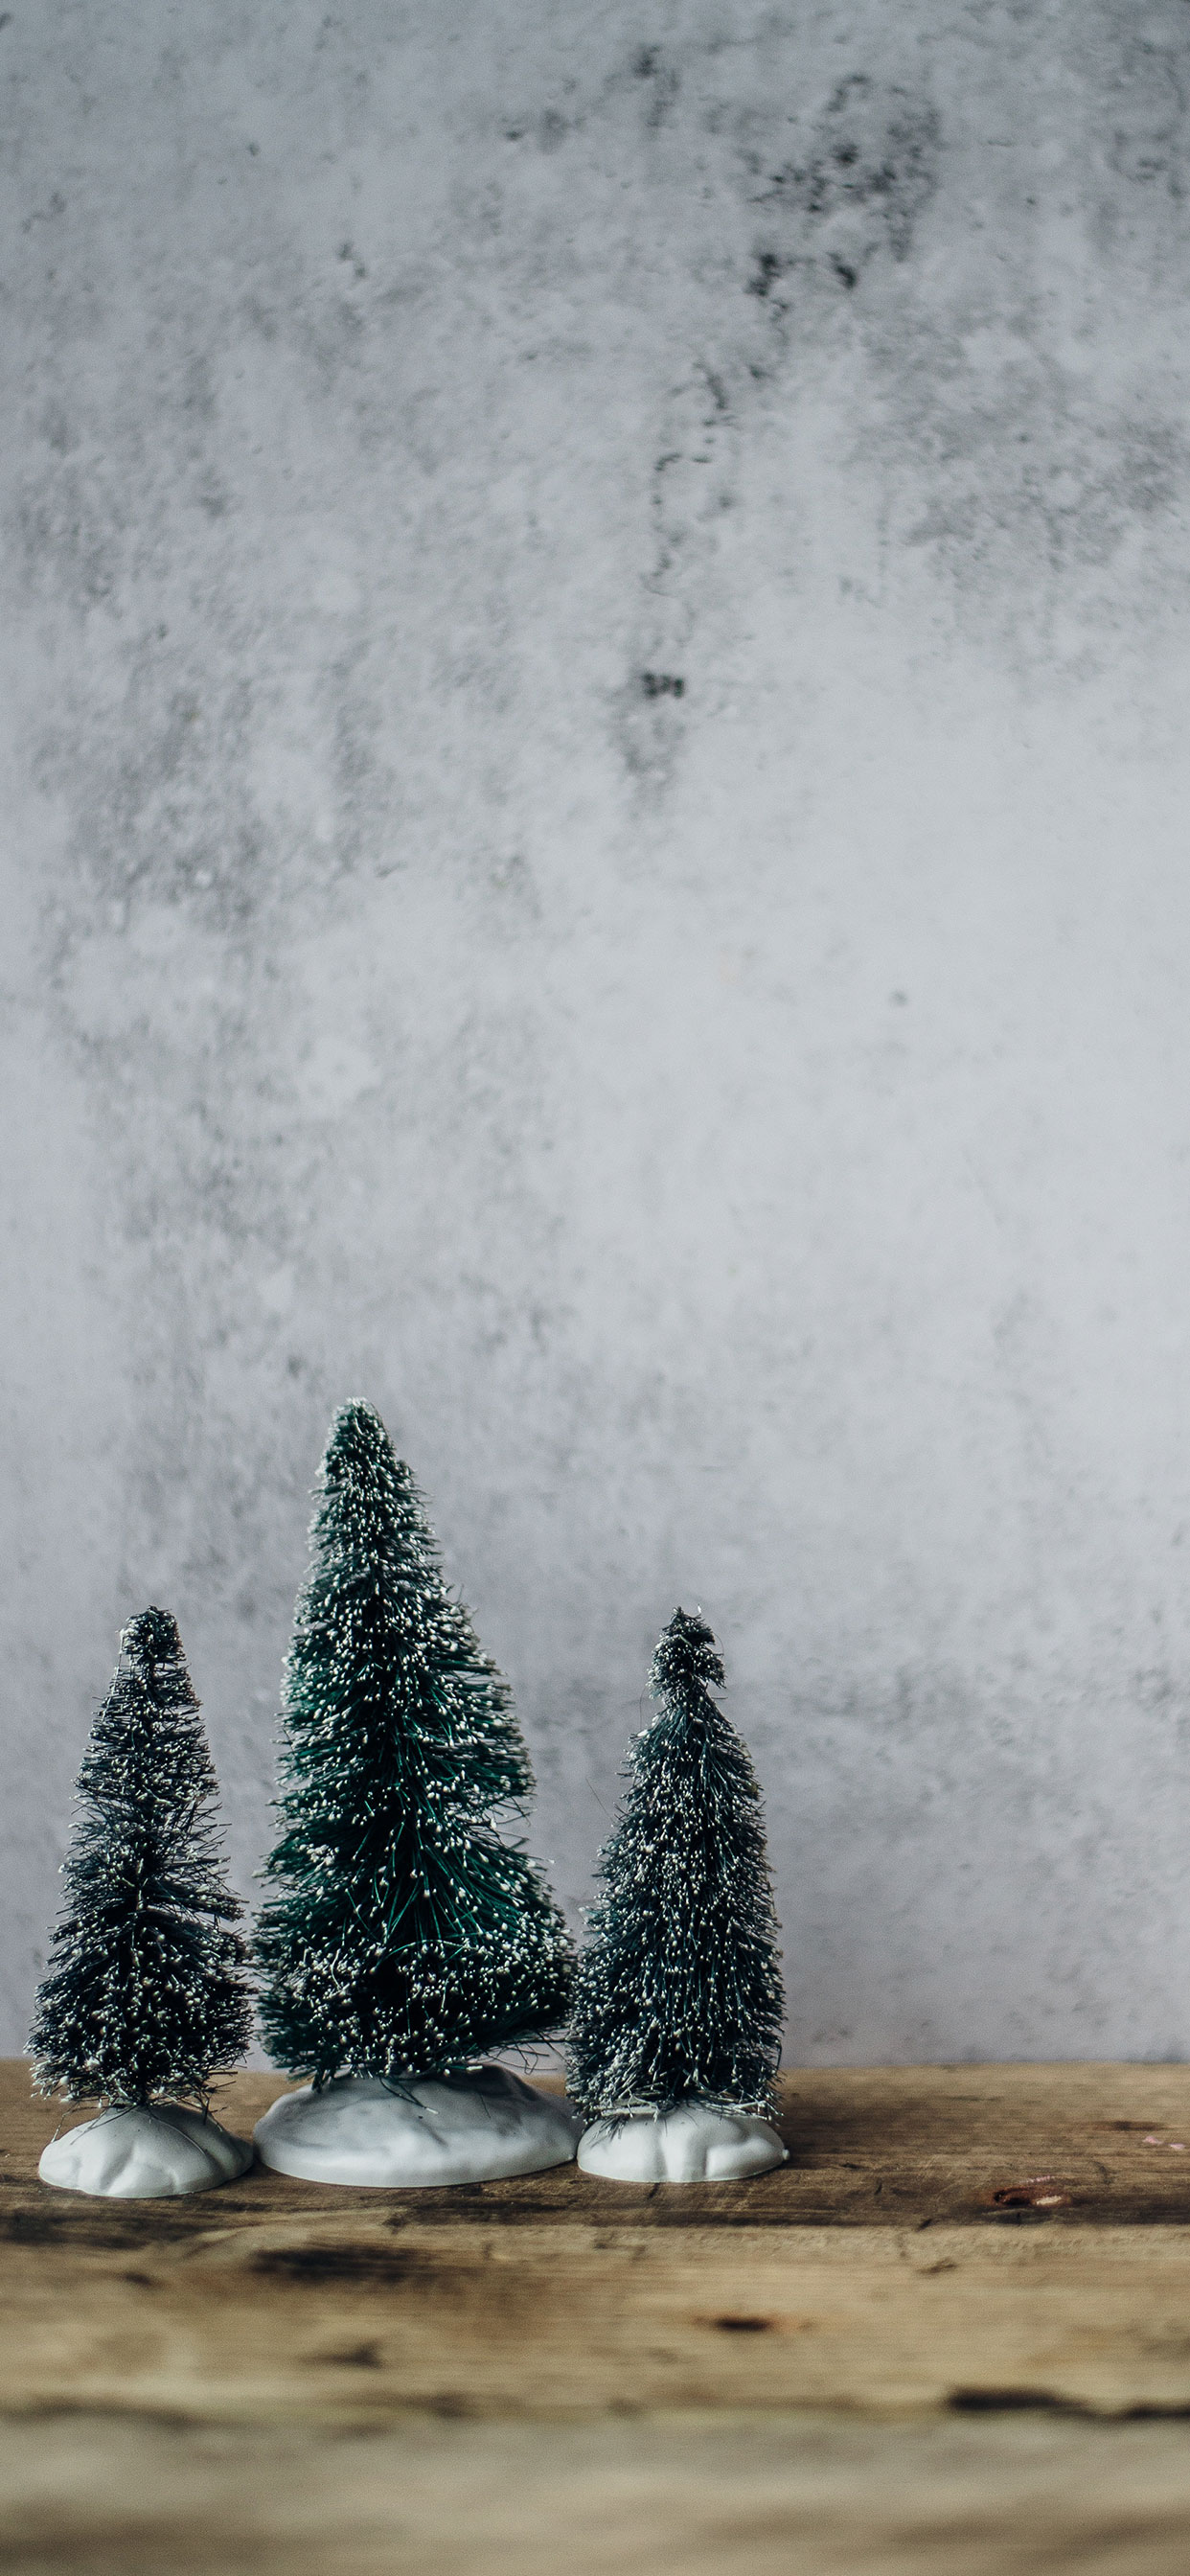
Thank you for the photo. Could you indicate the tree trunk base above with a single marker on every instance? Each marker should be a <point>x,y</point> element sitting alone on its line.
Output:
<point>149,2151</point>
<point>359,2130</point>
<point>699,2142</point>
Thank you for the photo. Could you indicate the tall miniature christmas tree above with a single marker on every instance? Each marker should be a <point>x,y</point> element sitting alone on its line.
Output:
<point>678,1998</point>
<point>146,1995</point>
<point>405,1936</point>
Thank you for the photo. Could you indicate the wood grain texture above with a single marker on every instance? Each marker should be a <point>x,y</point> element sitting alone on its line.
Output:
<point>674,2495</point>
<point>958,2238</point>
<point>1053,2146</point>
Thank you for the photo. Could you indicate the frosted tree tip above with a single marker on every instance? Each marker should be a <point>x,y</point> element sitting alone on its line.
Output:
<point>357,1418</point>
<point>356,1436</point>
<point>686,1653</point>
<point>152,1638</point>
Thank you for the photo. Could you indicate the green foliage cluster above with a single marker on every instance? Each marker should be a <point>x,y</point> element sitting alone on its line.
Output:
<point>679,1993</point>
<point>405,1932</point>
<point>146,1993</point>
<point>405,1936</point>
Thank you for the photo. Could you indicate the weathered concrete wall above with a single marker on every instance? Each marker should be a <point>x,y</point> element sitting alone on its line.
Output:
<point>595,664</point>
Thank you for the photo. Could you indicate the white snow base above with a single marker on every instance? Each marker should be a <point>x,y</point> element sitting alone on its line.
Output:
<point>455,2129</point>
<point>698,2143</point>
<point>154,2152</point>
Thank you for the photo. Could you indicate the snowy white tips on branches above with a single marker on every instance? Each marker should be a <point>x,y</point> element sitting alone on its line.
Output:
<point>146,1995</point>
<point>678,1995</point>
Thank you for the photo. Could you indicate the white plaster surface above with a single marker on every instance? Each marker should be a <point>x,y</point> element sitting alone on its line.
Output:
<point>739,1138</point>
<point>156,2152</point>
<point>698,2143</point>
<point>357,2130</point>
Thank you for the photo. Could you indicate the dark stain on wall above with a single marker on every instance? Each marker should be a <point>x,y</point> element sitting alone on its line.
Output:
<point>1145,112</point>
<point>829,192</point>
<point>649,732</point>
<point>664,84</point>
<point>868,170</point>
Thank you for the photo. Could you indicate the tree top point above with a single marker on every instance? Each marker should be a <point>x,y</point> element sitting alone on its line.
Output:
<point>356,1435</point>
<point>686,1654</point>
<point>357,1416</point>
<point>152,1638</point>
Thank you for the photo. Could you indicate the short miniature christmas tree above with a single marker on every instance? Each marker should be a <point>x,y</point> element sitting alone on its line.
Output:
<point>406,1937</point>
<point>146,1995</point>
<point>678,1997</point>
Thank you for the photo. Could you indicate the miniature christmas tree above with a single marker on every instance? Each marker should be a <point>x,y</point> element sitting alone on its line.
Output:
<point>678,2002</point>
<point>146,1995</point>
<point>406,1937</point>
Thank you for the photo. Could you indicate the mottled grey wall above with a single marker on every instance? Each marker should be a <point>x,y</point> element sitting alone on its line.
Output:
<point>595,677</point>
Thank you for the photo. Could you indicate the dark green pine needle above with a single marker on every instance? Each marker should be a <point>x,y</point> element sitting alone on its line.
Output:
<point>678,1995</point>
<point>405,1936</point>
<point>146,1994</point>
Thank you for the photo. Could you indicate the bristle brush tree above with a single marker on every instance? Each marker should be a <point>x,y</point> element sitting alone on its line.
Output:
<point>676,2028</point>
<point>404,1935</point>
<point>146,1997</point>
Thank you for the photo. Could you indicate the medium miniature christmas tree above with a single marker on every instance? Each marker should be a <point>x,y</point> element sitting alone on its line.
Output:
<point>678,1996</point>
<point>406,1937</point>
<point>146,1995</point>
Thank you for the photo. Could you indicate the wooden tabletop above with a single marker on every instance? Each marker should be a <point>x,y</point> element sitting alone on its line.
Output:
<point>950,2338</point>
<point>959,2237</point>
